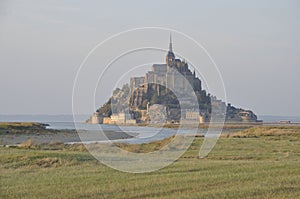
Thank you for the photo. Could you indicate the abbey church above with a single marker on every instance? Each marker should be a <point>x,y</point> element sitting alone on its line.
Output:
<point>174,75</point>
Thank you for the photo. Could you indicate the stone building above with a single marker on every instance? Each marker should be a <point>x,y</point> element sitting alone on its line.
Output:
<point>95,118</point>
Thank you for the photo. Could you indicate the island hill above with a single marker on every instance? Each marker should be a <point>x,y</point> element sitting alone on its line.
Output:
<point>150,99</point>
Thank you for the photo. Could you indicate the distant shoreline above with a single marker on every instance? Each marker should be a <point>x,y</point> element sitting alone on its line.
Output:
<point>18,133</point>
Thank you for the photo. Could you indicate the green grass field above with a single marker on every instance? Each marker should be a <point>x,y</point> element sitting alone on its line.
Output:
<point>247,164</point>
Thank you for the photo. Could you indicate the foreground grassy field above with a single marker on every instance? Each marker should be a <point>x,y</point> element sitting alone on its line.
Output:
<point>247,164</point>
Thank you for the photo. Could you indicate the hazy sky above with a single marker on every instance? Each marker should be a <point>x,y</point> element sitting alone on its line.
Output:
<point>254,43</point>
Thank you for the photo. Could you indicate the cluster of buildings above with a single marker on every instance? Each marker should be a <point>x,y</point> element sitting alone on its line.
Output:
<point>155,114</point>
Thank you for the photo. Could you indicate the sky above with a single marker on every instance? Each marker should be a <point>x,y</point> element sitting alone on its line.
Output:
<point>255,44</point>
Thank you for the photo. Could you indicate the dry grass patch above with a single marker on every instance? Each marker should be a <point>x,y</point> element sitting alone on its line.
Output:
<point>146,147</point>
<point>266,131</point>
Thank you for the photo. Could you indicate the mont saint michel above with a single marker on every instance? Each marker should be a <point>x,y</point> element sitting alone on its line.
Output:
<point>153,98</point>
<point>149,99</point>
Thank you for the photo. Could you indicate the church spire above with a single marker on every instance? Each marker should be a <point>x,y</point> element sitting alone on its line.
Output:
<point>170,44</point>
<point>170,58</point>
